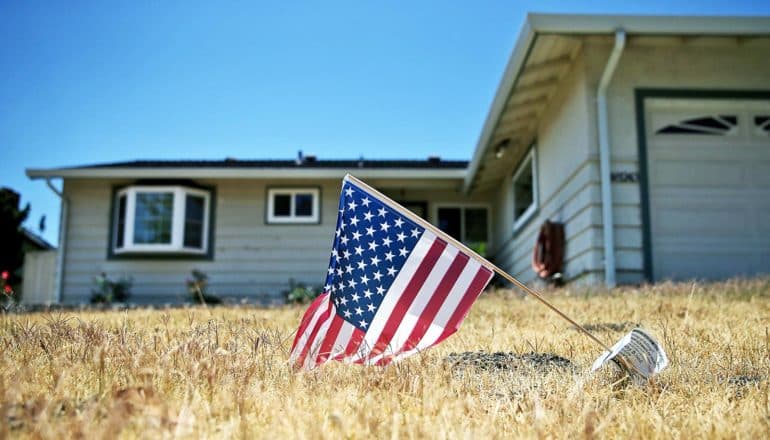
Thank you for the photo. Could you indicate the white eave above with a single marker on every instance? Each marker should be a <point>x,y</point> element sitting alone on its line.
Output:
<point>245,173</point>
<point>567,25</point>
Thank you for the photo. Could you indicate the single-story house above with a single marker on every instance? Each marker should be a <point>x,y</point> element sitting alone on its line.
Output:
<point>647,137</point>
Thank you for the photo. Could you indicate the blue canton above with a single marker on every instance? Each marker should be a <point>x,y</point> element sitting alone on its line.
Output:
<point>371,244</point>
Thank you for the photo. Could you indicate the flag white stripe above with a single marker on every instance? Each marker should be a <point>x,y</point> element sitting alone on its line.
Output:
<point>445,312</point>
<point>426,292</point>
<point>308,330</point>
<point>392,296</point>
<point>343,337</point>
<point>315,345</point>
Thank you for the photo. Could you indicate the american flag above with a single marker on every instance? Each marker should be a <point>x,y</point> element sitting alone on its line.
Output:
<point>394,287</point>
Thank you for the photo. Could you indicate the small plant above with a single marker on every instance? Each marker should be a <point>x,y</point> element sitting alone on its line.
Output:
<point>198,288</point>
<point>108,291</point>
<point>300,293</point>
<point>7,293</point>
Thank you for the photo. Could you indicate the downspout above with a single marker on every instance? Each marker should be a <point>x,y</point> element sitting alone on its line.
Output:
<point>62,240</point>
<point>604,158</point>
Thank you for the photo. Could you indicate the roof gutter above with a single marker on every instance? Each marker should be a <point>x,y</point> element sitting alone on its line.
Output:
<point>59,281</point>
<point>604,158</point>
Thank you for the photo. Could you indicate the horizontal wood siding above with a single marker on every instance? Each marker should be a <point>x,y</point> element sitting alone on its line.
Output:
<point>251,258</point>
<point>569,189</point>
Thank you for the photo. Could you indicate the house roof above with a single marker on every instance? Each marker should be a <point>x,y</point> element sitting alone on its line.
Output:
<point>36,240</point>
<point>302,167</point>
<point>543,55</point>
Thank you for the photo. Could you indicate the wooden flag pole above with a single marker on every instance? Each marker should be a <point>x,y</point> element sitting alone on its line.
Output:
<point>417,219</point>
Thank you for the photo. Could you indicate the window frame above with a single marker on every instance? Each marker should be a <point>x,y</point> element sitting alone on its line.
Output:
<point>463,206</point>
<point>178,218</point>
<point>292,218</point>
<point>529,213</point>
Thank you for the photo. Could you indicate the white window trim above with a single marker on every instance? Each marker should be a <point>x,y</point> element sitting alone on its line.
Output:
<point>462,207</point>
<point>530,211</point>
<point>292,218</point>
<point>177,220</point>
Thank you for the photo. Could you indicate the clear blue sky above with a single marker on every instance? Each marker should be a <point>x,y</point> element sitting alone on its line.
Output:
<point>87,82</point>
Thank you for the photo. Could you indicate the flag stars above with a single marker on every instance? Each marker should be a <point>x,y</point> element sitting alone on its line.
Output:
<point>386,241</point>
<point>402,252</point>
<point>370,307</point>
<point>384,226</point>
<point>370,231</point>
<point>346,254</point>
<point>344,240</point>
<point>380,290</point>
<point>356,236</point>
<point>352,284</point>
<point>364,279</point>
<point>373,246</point>
<point>347,313</point>
<point>343,301</point>
<point>361,265</point>
<point>349,269</point>
<point>368,293</point>
<point>400,237</point>
<point>352,205</point>
<point>359,311</point>
<point>368,216</point>
<point>377,275</point>
<point>415,232</point>
<point>398,222</point>
<point>381,212</point>
<point>358,250</point>
<point>374,261</point>
<point>365,202</point>
<point>392,271</point>
<point>389,256</point>
<point>363,323</point>
<point>355,297</point>
<point>354,221</point>
<point>349,191</point>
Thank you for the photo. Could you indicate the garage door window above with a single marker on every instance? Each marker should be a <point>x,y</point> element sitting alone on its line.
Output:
<point>762,124</point>
<point>724,125</point>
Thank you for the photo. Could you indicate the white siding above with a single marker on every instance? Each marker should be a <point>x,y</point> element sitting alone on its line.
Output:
<point>717,64</point>
<point>568,184</point>
<point>251,258</point>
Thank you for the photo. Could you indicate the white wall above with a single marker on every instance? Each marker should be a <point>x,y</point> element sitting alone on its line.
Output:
<point>568,186</point>
<point>251,259</point>
<point>713,64</point>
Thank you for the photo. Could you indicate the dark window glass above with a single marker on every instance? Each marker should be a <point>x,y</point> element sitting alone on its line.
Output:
<point>523,191</point>
<point>193,221</point>
<point>282,205</point>
<point>475,225</point>
<point>763,122</point>
<point>153,217</point>
<point>710,125</point>
<point>303,205</point>
<point>449,221</point>
<point>120,231</point>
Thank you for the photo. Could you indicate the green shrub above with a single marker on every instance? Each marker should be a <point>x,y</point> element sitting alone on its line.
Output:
<point>198,288</point>
<point>300,293</point>
<point>108,291</point>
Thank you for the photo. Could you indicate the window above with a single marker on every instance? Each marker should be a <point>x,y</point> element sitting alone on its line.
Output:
<point>467,224</point>
<point>762,125</point>
<point>525,190</point>
<point>293,205</point>
<point>161,219</point>
<point>717,125</point>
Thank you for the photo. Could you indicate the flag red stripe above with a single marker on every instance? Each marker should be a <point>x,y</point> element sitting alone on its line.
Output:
<point>406,298</point>
<point>435,302</point>
<point>308,317</point>
<point>474,290</point>
<point>321,320</point>
<point>353,344</point>
<point>328,343</point>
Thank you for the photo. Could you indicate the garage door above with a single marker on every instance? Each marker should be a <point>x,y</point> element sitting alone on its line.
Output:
<point>709,187</point>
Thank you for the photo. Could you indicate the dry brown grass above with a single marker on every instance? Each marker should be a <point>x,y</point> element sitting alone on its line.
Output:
<point>223,373</point>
